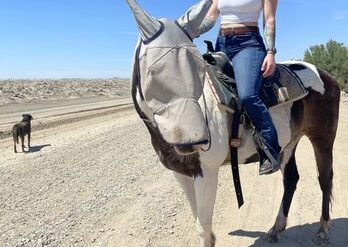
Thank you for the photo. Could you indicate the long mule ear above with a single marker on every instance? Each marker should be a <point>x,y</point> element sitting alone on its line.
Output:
<point>193,18</point>
<point>148,26</point>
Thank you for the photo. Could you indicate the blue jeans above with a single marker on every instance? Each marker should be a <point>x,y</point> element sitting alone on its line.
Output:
<point>247,52</point>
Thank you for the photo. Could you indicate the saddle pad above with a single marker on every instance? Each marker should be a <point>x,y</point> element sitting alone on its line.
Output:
<point>289,79</point>
<point>224,88</point>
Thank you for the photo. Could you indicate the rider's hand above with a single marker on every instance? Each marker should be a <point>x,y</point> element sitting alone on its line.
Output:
<point>269,65</point>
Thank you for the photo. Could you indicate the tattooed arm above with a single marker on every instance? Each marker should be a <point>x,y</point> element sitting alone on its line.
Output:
<point>269,10</point>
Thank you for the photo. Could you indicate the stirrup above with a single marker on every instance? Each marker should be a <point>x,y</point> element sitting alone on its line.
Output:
<point>269,167</point>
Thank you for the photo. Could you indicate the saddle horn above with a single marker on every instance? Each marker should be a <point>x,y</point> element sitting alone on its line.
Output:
<point>210,47</point>
<point>148,26</point>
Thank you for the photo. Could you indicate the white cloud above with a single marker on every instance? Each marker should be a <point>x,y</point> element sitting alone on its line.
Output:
<point>340,15</point>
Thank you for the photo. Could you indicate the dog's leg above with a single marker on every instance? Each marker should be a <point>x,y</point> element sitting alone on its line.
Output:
<point>29,140</point>
<point>15,138</point>
<point>22,142</point>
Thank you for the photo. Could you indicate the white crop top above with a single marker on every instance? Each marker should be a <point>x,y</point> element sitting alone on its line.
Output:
<point>237,11</point>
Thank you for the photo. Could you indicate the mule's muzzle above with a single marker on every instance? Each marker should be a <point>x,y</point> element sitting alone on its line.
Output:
<point>187,149</point>
<point>181,122</point>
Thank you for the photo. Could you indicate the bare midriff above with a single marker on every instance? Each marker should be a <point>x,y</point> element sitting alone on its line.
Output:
<point>242,24</point>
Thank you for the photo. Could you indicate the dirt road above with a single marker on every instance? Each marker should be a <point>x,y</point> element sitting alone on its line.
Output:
<point>60,111</point>
<point>97,182</point>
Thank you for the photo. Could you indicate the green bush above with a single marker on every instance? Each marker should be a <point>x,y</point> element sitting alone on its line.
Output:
<point>332,57</point>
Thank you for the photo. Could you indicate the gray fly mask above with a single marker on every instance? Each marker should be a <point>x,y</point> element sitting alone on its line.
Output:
<point>170,72</point>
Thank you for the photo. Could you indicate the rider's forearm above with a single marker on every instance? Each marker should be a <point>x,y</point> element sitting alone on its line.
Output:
<point>269,27</point>
<point>269,35</point>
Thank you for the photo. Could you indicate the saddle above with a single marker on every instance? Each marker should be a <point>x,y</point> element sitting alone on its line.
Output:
<point>283,87</point>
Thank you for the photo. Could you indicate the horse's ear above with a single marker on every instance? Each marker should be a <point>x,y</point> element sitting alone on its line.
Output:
<point>148,26</point>
<point>193,18</point>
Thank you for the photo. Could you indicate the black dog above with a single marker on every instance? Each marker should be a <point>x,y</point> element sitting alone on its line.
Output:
<point>20,130</point>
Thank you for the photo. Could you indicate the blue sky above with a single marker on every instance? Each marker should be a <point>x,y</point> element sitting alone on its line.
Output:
<point>90,38</point>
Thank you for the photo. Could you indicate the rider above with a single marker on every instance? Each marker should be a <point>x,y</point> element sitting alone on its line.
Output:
<point>240,39</point>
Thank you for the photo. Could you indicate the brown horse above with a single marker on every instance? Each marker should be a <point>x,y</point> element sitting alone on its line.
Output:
<point>166,77</point>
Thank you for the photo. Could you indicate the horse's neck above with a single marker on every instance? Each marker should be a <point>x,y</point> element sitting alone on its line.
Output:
<point>208,97</point>
<point>218,128</point>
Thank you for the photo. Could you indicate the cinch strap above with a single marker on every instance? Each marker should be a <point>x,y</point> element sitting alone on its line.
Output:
<point>234,157</point>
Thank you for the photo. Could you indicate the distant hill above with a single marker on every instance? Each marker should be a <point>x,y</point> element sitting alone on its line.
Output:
<point>22,90</point>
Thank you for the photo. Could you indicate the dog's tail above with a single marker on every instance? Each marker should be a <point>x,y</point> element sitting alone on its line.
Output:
<point>15,133</point>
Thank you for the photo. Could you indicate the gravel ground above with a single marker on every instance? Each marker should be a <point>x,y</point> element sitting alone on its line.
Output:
<point>98,182</point>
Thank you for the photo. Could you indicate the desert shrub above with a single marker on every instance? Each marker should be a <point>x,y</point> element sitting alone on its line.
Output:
<point>332,57</point>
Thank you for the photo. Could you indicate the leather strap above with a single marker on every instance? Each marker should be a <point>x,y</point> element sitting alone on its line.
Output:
<point>237,30</point>
<point>234,157</point>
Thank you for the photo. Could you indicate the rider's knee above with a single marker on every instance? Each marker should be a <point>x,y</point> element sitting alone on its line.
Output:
<point>249,99</point>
